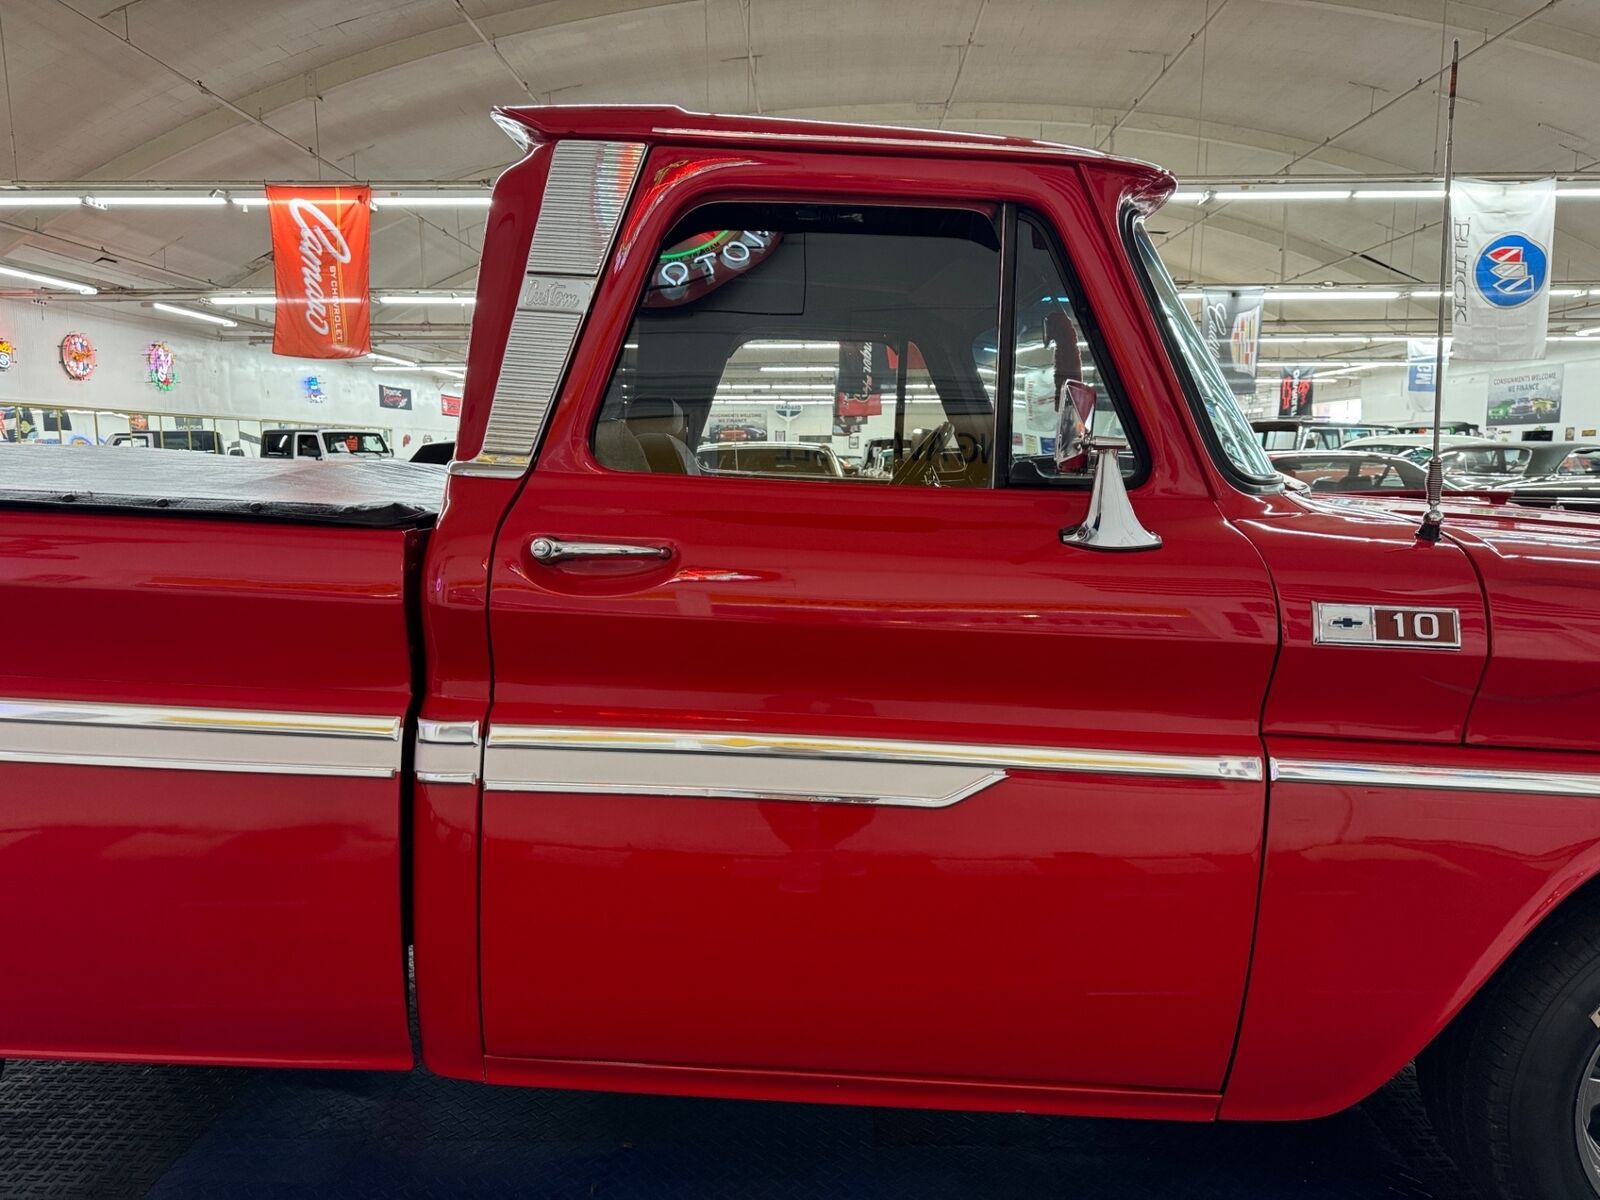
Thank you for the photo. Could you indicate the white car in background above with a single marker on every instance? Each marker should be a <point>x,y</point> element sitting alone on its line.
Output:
<point>327,444</point>
<point>768,459</point>
<point>1417,447</point>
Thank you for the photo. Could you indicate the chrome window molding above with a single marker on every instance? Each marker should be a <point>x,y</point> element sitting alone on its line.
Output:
<point>585,195</point>
<point>884,142</point>
<point>790,746</point>
<point>239,741</point>
<point>1454,779</point>
<point>210,720</point>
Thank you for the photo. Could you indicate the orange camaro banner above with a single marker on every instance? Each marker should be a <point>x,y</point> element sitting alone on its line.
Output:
<point>320,242</point>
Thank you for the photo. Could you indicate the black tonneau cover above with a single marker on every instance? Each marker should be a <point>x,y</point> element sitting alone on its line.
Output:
<point>379,493</point>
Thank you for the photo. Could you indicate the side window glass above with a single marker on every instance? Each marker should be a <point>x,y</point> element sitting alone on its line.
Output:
<point>1059,391</point>
<point>812,343</point>
<point>307,447</point>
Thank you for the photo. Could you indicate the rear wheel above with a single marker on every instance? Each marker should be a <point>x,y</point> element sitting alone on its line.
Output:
<point>1513,1086</point>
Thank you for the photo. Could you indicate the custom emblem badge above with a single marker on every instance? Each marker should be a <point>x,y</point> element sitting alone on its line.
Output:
<point>1386,625</point>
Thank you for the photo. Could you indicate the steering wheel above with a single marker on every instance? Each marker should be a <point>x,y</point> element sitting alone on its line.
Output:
<point>920,463</point>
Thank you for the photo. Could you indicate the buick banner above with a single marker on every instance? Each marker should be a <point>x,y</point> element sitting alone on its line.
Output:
<point>1501,237</point>
<point>320,242</point>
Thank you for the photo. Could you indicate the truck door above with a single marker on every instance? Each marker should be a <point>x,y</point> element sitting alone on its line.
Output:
<point>807,774</point>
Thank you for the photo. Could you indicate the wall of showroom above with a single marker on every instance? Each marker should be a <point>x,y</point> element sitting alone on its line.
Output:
<point>1467,386</point>
<point>242,386</point>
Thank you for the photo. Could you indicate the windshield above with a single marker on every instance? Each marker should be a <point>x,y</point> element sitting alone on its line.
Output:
<point>1218,406</point>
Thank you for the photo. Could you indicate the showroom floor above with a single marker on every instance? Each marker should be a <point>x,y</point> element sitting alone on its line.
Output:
<point>102,1131</point>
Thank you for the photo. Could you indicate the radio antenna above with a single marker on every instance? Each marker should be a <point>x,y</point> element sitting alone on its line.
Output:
<point>1433,518</point>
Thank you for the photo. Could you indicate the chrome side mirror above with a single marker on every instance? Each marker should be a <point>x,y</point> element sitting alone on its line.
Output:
<point>1110,523</point>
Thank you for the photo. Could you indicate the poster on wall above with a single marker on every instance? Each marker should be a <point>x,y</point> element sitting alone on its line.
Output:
<point>1531,397</point>
<point>8,354</point>
<point>390,396</point>
<point>1502,235</point>
<point>161,366</point>
<point>737,423</point>
<point>320,264</point>
<point>1295,390</point>
<point>450,405</point>
<point>1230,321</point>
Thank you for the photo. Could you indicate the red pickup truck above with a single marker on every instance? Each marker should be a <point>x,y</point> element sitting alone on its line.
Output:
<point>1066,764</point>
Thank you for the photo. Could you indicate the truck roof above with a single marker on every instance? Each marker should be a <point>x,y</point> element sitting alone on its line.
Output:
<point>668,122</point>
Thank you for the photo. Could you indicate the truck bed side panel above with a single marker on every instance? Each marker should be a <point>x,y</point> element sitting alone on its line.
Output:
<point>174,885</point>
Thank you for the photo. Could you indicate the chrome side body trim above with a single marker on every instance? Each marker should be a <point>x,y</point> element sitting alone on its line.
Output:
<point>585,195</point>
<point>1453,779</point>
<point>448,751</point>
<point>211,720</point>
<point>199,739</point>
<point>868,751</point>
<point>732,777</point>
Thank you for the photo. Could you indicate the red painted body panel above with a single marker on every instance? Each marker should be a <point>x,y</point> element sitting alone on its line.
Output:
<point>198,916</point>
<point>1542,579</point>
<point>1349,555</point>
<point>1043,931</point>
<point>1383,910</point>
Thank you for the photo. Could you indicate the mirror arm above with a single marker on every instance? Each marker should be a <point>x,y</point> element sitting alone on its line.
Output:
<point>1110,523</point>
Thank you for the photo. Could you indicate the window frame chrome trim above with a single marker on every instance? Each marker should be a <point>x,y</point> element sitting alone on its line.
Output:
<point>793,746</point>
<point>1455,779</point>
<point>796,794</point>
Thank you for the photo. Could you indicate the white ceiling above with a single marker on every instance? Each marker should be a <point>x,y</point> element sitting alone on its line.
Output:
<point>400,90</point>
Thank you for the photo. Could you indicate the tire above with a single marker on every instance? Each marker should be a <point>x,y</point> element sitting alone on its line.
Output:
<point>1504,1083</point>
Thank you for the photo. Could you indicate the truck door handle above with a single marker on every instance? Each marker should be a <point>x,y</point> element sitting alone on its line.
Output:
<point>553,550</point>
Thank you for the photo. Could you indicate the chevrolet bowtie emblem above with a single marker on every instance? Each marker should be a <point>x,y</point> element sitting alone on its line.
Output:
<point>1347,622</point>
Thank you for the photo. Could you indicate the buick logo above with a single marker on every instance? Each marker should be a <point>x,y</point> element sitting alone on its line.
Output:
<point>1511,270</point>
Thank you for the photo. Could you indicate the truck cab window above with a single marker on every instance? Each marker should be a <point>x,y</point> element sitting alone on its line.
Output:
<point>811,343</point>
<point>1061,393</point>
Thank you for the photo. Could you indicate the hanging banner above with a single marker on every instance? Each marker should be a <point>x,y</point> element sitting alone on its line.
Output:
<point>1230,320</point>
<point>394,397</point>
<point>1526,397</point>
<point>1501,245</point>
<point>320,242</point>
<point>1420,364</point>
<point>859,380</point>
<point>1295,391</point>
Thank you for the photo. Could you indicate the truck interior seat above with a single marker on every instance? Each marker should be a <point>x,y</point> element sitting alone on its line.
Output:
<point>661,429</point>
<point>616,447</point>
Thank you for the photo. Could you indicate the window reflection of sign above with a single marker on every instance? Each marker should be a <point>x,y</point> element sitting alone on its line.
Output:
<point>704,262</point>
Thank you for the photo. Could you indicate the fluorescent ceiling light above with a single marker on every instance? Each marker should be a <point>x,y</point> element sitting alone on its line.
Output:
<point>1333,294</point>
<point>389,358</point>
<point>1589,332</point>
<point>1280,193</point>
<point>437,298</point>
<point>38,200</point>
<point>1400,193</point>
<point>1575,193</point>
<point>1567,291</point>
<point>83,289</point>
<point>193,315</point>
<point>115,201</point>
<point>1359,338</point>
<point>256,301</point>
<point>1189,197</point>
<point>800,370</point>
<point>790,346</point>
<point>435,201</point>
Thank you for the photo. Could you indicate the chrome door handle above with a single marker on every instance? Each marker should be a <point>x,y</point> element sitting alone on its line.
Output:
<point>552,550</point>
